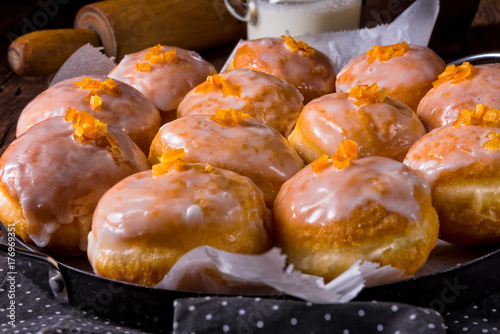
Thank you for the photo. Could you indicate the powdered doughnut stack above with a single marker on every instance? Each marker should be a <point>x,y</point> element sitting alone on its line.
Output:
<point>277,151</point>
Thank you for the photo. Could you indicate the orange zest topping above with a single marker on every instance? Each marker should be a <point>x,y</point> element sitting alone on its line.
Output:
<point>94,100</point>
<point>155,55</point>
<point>365,94</point>
<point>455,74</point>
<point>384,53</point>
<point>88,128</point>
<point>494,142</point>
<point>346,151</point>
<point>154,51</point>
<point>89,83</point>
<point>170,56</point>
<point>108,86</point>
<point>169,161</point>
<point>143,67</point>
<point>482,116</point>
<point>298,45</point>
<point>229,117</point>
<point>217,82</point>
<point>321,163</point>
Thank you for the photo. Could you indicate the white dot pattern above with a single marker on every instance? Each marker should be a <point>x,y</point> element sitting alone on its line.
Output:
<point>37,310</point>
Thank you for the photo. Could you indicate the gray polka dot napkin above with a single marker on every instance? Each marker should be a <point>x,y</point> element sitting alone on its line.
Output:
<point>256,315</point>
<point>38,312</point>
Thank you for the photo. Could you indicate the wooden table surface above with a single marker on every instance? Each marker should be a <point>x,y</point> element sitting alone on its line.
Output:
<point>17,91</point>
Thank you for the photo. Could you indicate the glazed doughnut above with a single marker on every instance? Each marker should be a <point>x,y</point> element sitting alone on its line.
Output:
<point>407,71</point>
<point>308,69</point>
<point>182,206</point>
<point>109,100</point>
<point>52,176</point>
<point>462,165</point>
<point>379,124</point>
<point>264,97</point>
<point>460,87</point>
<point>337,211</point>
<point>229,140</point>
<point>164,74</point>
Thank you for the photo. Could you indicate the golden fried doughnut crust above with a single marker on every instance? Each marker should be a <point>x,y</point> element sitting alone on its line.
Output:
<point>387,128</point>
<point>442,104</point>
<point>308,69</point>
<point>266,98</point>
<point>375,209</point>
<point>247,147</point>
<point>50,182</point>
<point>127,109</point>
<point>464,175</point>
<point>144,224</point>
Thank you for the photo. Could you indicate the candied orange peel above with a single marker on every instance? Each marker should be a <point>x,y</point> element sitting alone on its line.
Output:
<point>229,117</point>
<point>384,53</point>
<point>455,74</point>
<point>88,83</point>
<point>346,151</point>
<point>94,101</point>
<point>169,161</point>
<point>154,51</point>
<point>365,94</point>
<point>298,45</point>
<point>143,67</point>
<point>88,128</point>
<point>217,82</point>
<point>482,116</point>
<point>155,56</point>
<point>494,142</point>
<point>108,86</point>
<point>321,163</point>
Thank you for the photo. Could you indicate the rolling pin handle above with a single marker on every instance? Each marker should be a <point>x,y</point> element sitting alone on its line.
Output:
<point>43,52</point>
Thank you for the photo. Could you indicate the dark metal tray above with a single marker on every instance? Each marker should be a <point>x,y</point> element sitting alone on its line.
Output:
<point>453,277</point>
<point>72,281</point>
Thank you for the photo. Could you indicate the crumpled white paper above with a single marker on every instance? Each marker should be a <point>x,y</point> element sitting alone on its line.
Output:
<point>413,26</point>
<point>87,60</point>
<point>206,269</point>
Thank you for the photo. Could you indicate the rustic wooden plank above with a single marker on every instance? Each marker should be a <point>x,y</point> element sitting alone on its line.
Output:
<point>15,93</point>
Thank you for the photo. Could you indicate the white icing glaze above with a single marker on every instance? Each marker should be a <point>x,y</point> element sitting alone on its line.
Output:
<point>250,148</point>
<point>450,148</point>
<point>130,112</point>
<point>385,129</point>
<point>441,105</point>
<point>264,97</point>
<point>167,83</point>
<point>407,77</point>
<point>58,179</point>
<point>417,65</point>
<point>333,194</point>
<point>313,75</point>
<point>150,207</point>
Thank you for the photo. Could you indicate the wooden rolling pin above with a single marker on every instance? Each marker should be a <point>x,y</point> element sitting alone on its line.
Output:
<point>127,26</point>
